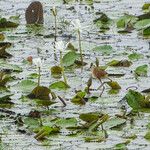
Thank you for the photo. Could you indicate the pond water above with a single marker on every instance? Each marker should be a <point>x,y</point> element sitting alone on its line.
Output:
<point>27,42</point>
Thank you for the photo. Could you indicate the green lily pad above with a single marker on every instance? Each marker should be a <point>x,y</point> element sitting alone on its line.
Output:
<point>142,24</point>
<point>56,70</point>
<point>4,53</point>
<point>124,20</point>
<point>135,56</point>
<point>90,117</point>
<point>120,63</point>
<point>70,58</point>
<point>25,85</point>
<point>146,6</point>
<point>136,100</point>
<point>59,85</point>
<point>4,23</point>
<point>5,66</point>
<point>114,85</point>
<point>45,131</point>
<point>40,92</point>
<point>4,78</point>
<point>105,49</point>
<point>146,31</point>
<point>114,122</point>
<point>78,99</point>
<point>141,70</point>
<point>66,122</point>
<point>31,123</point>
<point>147,135</point>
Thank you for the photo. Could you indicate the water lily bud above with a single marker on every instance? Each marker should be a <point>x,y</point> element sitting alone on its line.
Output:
<point>29,59</point>
<point>89,83</point>
<point>97,62</point>
<point>54,11</point>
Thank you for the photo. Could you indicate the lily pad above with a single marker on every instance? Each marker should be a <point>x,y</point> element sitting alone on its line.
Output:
<point>105,49</point>
<point>125,20</point>
<point>142,24</point>
<point>45,131</point>
<point>5,66</point>
<point>56,70</point>
<point>59,85</point>
<point>78,99</point>
<point>114,85</point>
<point>135,56</point>
<point>4,23</point>
<point>4,53</point>
<point>70,58</point>
<point>136,100</point>
<point>25,85</point>
<point>114,122</point>
<point>2,37</point>
<point>40,92</point>
<point>141,70</point>
<point>121,63</point>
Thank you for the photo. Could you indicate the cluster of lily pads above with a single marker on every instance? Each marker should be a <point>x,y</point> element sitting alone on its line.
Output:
<point>93,125</point>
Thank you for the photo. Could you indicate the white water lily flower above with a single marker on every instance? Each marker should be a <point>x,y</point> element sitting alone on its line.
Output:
<point>38,62</point>
<point>60,45</point>
<point>76,24</point>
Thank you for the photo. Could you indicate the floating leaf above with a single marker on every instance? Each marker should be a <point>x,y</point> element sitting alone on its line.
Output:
<point>79,98</point>
<point>4,78</point>
<point>124,20</point>
<point>122,146</point>
<point>70,58</point>
<point>147,135</point>
<point>135,56</point>
<point>31,123</point>
<point>33,76</point>
<point>2,37</point>
<point>114,123</point>
<point>44,131</point>
<point>71,47</point>
<point>59,85</point>
<point>142,24</point>
<point>40,92</point>
<point>3,53</point>
<point>5,44</point>
<point>146,31</point>
<point>146,6</point>
<point>114,85</point>
<point>66,122</point>
<point>136,100</point>
<point>25,85</point>
<point>9,67</point>
<point>4,23</point>
<point>105,49</point>
<point>141,70</point>
<point>90,117</point>
<point>5,100</point>
<point>56,70</point>
<point>121,63</point>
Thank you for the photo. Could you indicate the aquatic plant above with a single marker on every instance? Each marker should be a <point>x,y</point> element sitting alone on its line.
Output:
<point>38,62</point>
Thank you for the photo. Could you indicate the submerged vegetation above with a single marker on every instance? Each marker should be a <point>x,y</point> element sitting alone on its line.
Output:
<point>63,90</point>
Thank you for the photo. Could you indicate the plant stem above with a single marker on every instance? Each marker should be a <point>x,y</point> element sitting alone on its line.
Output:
<point>80,49</point>
<point>39,75</point>
<point>55,28</point>
<point>61,64</point>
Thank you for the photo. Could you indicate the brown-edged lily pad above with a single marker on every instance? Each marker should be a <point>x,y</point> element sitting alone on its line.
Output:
<point>4,53</point>
<point>4,23</point>
<point>120,63</point>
